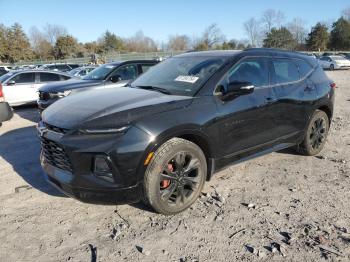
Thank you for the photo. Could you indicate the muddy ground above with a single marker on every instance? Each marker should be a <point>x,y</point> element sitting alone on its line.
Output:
<point>279,207</point>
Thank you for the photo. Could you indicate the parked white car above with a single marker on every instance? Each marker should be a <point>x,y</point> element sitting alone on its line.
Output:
<point>21,87</point>
<point>334,62</point>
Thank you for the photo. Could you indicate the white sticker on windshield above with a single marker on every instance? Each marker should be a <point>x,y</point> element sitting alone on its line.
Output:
<point>187,79</point>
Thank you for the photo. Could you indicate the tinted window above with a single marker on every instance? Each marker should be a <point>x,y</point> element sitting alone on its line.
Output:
<point>145,67</point>
<point>285,71</point>
<point>253,70</point>
<point>24,78</point>
<point>48,77</point>
<point>304,67</point>
<point>63,67</point>
<point>126,72</point>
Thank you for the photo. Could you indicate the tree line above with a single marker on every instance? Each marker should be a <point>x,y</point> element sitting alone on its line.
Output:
<point>270,30</point>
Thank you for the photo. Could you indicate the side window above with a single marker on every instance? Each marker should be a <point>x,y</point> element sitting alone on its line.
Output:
<point>63,67</point>
<point>24,78</point>
<point>304,67</point>
<point>48,77</point>
<point>145,67</point>
<point>253,70</point>
<point>285,71</point>
<point>126,72</point>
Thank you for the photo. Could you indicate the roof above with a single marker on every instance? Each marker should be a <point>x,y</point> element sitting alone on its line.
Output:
<point>37,71</point>
<point>221,53</point>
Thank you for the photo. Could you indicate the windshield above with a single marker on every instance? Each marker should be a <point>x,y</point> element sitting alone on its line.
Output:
<point>6,76</point>
<point>180,75</point>
<point>74,71</point>
<point>99,73</point>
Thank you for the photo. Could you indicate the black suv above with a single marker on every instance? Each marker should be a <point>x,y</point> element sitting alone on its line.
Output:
<point>114,74</point>
<point>163,136</point>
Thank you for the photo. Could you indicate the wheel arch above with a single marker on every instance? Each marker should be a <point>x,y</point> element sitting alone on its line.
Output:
<point>328,111</point>
<point>193,135</point>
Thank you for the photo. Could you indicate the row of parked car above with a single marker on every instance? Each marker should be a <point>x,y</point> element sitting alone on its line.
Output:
<point>138,130</point>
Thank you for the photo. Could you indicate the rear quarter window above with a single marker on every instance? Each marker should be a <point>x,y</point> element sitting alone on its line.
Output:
<point>48,77</point>
<point>304,67</point>
<point>285,71</point>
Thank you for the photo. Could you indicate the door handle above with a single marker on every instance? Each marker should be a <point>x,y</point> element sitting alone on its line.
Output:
<point>309,88</point>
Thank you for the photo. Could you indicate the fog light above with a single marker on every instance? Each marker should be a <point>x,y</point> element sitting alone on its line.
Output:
<point>101,167</point>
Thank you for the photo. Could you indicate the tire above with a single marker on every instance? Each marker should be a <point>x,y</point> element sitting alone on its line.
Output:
<point>175,176</point>
<point>315,134</point>
<point>331,67</point>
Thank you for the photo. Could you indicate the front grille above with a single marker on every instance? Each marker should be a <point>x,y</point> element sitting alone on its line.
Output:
<point>44,96</point>
<point>55,155</point>
<point>56,129</point>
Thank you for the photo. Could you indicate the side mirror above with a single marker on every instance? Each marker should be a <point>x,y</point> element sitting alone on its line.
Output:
<point>235,89</point>
<point>115,79</point>
<point>11,83</point>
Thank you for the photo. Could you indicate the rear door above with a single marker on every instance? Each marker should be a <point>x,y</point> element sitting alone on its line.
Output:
<point>23,90</point>
<point>293,92</point>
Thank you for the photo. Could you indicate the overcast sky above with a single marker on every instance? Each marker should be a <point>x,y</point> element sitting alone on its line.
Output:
<point>88,19</point>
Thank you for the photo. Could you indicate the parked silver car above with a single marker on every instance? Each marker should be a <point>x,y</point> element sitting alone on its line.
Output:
<point>334,62</point>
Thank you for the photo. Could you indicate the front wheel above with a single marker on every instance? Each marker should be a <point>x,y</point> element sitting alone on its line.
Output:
<point>331,67</point>
<point>315,135</point>
<point>175,176</point>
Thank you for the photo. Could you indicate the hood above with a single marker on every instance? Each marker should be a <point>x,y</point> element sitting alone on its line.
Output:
<point>69,85</point>
<point>111,107</point>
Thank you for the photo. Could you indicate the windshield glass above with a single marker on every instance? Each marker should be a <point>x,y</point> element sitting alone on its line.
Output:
<point>180,75</point>
<point>6,76</point>
<point>100,73</point>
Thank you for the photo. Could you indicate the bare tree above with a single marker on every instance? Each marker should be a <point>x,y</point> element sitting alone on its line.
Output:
<point>272,18</point>
<point>253,30</point>
<point>179,43</point>
<point>346,13</point>
<point>52,32</point>
<point>212,36</point>
<point>140,43</point>
<point>298,30</point>
<point>41,47</point>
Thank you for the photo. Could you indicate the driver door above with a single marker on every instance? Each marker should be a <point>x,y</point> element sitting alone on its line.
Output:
<point>245,122</point>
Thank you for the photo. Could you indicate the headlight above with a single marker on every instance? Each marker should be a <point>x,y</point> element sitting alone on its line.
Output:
<point>64,94</point>
<point>106,130</point>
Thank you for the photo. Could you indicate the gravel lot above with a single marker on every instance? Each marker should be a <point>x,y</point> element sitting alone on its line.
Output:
<point>278,207</point>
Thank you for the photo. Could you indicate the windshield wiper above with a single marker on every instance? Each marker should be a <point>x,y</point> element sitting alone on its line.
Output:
<point>155,88</point>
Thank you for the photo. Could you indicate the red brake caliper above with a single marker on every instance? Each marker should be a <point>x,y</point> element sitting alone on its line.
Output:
<point>165,183</point>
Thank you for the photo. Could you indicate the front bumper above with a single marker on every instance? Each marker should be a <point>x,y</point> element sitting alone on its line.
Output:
<point>68,159</point>
<point>43,104</point>
<point>63,181</point>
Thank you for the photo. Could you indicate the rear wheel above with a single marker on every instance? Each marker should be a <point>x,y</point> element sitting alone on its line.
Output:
<point>175,176</point>
<point>316,134</point>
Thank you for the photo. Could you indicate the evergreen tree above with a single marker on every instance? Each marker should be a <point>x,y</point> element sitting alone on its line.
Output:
<point>280,38</point>
<point>317,39</point>
<point>340,35</point>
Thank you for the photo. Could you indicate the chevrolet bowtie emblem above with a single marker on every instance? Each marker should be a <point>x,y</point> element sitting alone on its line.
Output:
<point>42,130</point>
